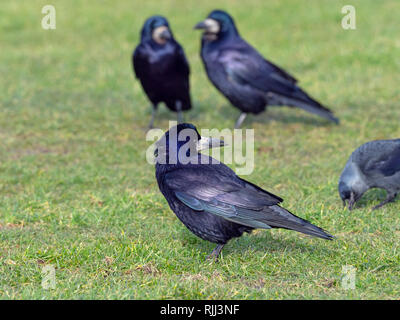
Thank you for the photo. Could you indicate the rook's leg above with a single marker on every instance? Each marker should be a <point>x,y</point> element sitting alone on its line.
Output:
<point>390,198</point>
<point>215,253</point>
<point>179,111</point>
<point>153,115</point>
<point>240,120</point>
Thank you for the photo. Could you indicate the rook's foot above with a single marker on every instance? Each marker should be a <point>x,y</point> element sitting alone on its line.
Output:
<point>215,253</point>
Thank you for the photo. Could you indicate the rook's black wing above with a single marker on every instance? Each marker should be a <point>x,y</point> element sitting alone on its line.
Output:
<point>245,66</point>
<point>219,191</point>
<point>139,60</point>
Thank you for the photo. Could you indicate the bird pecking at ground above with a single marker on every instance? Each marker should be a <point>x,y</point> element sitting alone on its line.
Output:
<point>375,164</point>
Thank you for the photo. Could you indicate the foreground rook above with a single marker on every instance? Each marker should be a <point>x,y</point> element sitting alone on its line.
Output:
<point>210,199</point>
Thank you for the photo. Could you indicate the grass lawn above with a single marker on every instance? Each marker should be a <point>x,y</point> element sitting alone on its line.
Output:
<point>76,191</point>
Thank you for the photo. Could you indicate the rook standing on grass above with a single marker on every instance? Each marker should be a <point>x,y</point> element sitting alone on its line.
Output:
<point>244,77</point>
<point>161,66</point>
<point>210,199</point>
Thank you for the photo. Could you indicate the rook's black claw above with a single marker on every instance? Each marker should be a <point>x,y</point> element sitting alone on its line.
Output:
<point>215,253</point>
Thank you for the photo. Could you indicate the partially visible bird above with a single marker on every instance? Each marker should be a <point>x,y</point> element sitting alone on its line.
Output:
<point>244,77</point>
<point>375,164</point>
<point>160,64</point>
<point>210,199</point>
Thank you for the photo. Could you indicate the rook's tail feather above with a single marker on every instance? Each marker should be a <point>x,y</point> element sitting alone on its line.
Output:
<point>287,220</point>
<point>305,102</point>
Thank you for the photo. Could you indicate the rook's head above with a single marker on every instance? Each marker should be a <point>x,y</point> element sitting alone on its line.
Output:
<point>184,141</point>
<point>217,25</point>
<point>156,28</point>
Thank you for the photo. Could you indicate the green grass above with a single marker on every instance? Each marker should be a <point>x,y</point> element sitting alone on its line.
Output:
<point>76,191</point>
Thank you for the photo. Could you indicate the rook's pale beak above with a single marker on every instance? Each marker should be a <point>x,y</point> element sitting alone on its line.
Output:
<point>352,201</point>
<point>208,143</point>
<point>165,34</point>
<point>161,34</point>
<point>200,25</point>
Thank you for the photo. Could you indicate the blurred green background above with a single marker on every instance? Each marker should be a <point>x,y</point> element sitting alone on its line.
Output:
<point>76,191</point>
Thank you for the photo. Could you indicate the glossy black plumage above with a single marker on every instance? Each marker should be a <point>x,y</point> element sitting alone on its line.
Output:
<point>214,203</point>
<point>162,68</point>
<point>244,77</point>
